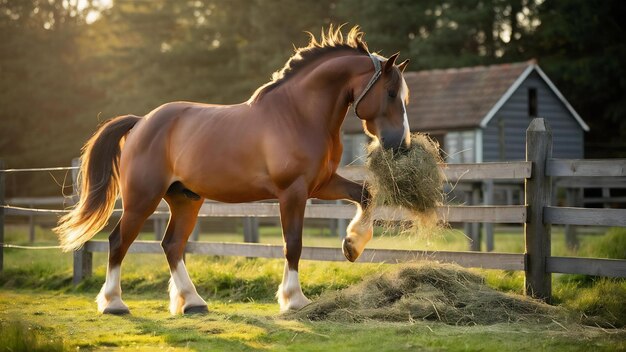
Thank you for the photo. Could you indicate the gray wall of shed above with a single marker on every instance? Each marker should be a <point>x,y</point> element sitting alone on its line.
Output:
<point>568,139</point>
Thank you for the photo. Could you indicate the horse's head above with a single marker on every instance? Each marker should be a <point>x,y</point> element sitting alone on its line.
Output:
<point>382,104</point>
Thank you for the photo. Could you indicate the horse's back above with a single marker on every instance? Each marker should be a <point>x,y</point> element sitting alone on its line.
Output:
<point>214,150</point>
<point>230,153</point>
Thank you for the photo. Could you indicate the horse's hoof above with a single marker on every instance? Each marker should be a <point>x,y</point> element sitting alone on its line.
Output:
<point>348,252</point>
<point>196,310</point>
<point>116,311</point>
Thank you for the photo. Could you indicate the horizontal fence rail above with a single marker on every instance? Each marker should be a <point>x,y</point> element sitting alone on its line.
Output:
<point>514,214</point>
<point>590,182</point>
<point>586,167</point>
<point>586,266</point>
<point>505,261</point>
<point>584,216</point>
<point>515,170</point>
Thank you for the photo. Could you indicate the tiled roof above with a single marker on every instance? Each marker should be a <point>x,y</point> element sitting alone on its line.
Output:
<point>452,98</point>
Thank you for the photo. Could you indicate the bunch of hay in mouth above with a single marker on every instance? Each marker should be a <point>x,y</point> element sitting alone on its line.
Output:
<point>411,179</point>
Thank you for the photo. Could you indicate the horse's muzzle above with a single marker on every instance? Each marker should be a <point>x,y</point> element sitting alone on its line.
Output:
<point>398,143</point>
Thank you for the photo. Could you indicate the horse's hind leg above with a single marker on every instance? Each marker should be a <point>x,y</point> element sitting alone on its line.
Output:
<point>184,209</point>
<point>139,203</point>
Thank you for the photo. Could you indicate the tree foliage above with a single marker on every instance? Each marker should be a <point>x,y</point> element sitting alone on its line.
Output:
<point>67,65</point>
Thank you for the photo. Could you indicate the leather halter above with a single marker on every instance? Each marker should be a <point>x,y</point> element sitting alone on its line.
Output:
<point>377,72</point>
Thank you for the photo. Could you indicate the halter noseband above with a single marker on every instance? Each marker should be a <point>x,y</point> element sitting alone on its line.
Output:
<point>377,72</point>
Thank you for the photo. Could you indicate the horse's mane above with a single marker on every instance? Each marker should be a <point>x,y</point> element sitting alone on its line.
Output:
<point>330,41</point>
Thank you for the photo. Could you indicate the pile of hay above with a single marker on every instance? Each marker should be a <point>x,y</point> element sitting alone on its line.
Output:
<point>411,179</point>
<point>427,291</point>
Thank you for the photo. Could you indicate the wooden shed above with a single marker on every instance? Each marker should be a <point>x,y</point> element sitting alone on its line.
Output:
<point>481,113</point>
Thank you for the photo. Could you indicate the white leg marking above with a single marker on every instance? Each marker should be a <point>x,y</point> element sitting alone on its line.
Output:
<point>110,295</point>
<point>289,293</point>
<point>360,230</point>
<point>183,293</point>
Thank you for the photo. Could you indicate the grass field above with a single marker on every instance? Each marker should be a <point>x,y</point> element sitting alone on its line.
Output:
<point>41,310</point>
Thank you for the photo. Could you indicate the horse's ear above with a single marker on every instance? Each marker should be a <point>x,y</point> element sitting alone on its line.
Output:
<point>390,62</point>
<point>403,65</point>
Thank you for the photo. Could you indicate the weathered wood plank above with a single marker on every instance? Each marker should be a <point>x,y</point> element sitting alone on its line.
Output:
<point>504,261</point>
<point>251,229</point>
<point>40,201</point>
<point>590,182</point>
<point>475,214</point>
<point>82,264</point>
<point>488,190</point>
<point>466,172</point>
<point>136,247</point>
<point>494,214</point>
<point>585,216</point>
<point>586,167</point>
<point>493,170</point>
<point>538,283</point>
<point>587,266</point>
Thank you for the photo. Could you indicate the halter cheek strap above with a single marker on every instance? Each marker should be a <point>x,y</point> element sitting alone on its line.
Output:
<point>377,72</point>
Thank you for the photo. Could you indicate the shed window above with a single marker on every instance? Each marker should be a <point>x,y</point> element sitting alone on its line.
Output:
<point>532,102</point>
<point>460,147</point>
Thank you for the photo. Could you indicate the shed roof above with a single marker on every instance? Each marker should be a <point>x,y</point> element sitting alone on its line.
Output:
<point>462,97</point>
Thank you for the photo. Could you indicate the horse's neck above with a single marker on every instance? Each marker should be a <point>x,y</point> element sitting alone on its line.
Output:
<point>321,93</point>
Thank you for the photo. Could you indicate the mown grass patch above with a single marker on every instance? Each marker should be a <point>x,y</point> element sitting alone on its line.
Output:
<point>241,291</point>
<point>258,327</point>
<point>16,336</point>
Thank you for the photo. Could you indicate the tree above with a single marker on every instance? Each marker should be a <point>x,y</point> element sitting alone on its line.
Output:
<point>580,45</point>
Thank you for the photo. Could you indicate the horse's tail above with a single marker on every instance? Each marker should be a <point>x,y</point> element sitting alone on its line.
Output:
<point>99,184</point>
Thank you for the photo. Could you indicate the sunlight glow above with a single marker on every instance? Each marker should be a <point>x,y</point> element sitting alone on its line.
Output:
<point>97,7</point>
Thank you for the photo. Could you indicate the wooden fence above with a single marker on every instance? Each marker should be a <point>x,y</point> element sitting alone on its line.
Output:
<point>537,215</point>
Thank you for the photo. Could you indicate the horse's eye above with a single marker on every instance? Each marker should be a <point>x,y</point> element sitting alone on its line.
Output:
<point>392,94</point>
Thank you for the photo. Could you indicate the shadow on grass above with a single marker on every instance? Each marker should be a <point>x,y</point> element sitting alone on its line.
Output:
<point>205,332</point>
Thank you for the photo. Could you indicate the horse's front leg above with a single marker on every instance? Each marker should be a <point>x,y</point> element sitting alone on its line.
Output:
<point>292,204</point>
<point>361,229</point>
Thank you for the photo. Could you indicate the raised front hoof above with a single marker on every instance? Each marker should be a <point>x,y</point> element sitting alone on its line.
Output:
<point>348,251</point>
<point>196,310</point>
<point>116,311</point>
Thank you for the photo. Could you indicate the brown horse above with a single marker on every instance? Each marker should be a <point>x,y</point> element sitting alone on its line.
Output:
<point>284,143</point>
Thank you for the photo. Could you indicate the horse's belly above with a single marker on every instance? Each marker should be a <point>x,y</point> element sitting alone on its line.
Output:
<point>229,187</point>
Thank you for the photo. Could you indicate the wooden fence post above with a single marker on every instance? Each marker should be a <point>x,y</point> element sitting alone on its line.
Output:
<point>195,233</point>
<point>488,227</point>
<point>538,194</point>
<point>2,180</point>
<point>160,223</point>
<point>571,239</point>
<point>83,259</point>
<point>31,225</point>
<point>475,235</point>
<point>251,229</point>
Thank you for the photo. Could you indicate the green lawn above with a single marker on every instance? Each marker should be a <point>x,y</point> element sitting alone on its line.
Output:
<point>235,326</point>
<point>37,299</point>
